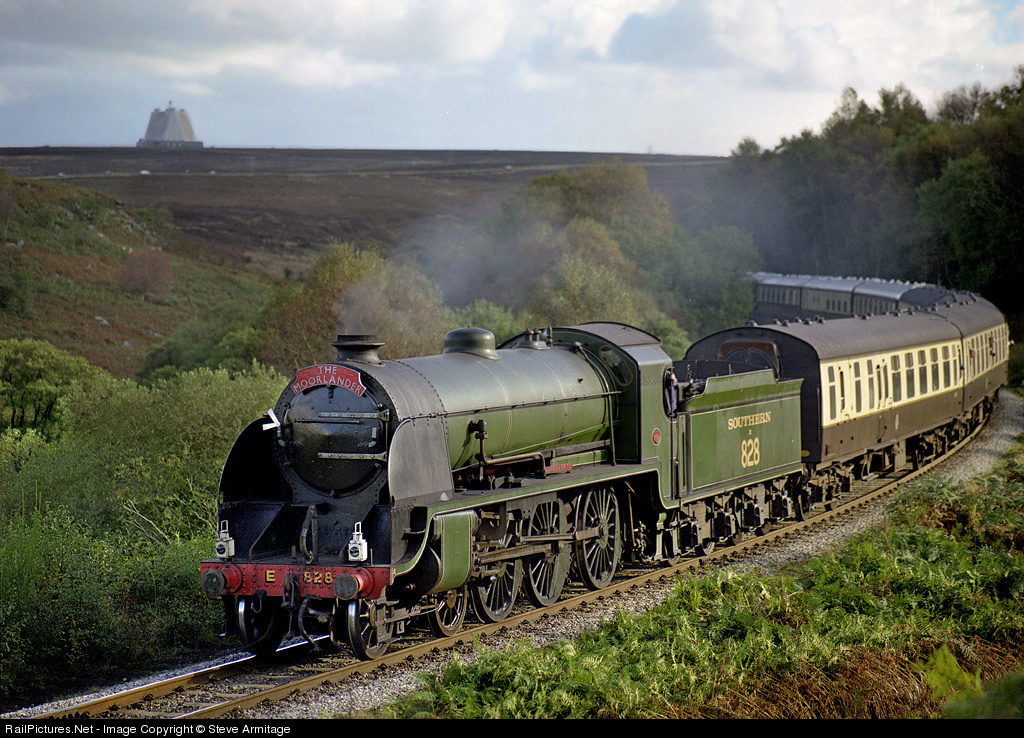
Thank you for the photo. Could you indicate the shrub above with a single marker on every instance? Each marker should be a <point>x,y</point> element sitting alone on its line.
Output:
<point>73,606</point>
<point>147,272</point>
<point>141,460</point>
<point>17,283</point>
<point>164,446</point>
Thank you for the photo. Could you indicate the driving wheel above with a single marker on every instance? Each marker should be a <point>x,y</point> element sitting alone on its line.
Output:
<point>600,548</point>
<point>546,573</point>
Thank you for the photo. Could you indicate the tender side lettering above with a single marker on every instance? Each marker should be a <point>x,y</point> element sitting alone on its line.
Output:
<point>745,421</point>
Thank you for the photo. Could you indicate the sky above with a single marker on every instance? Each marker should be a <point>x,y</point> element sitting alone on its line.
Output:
<point>624,76</point>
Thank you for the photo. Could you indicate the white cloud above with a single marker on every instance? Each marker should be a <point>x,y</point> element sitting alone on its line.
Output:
<point>605,74</point>
<point>330,70</point>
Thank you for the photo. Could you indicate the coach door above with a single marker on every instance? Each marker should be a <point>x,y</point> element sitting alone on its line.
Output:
<point>884,400</point>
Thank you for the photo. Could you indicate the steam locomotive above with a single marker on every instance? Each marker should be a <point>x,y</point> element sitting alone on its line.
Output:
<point>380,496</point>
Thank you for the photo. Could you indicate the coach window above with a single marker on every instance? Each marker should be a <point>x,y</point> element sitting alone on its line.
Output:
<point>871,385</point>
<point>856,387</point>
<point>922,373</point>
<point>832,393</point>
<point>909,357</point>
<point>935,370</point>
<point>897,378</point>
<point>946,377</point>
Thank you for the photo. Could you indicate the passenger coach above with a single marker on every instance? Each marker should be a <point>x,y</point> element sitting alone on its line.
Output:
<point>799,297</point>
<point>871,383</point>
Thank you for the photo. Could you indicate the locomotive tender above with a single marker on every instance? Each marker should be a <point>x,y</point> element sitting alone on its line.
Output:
<point>379,495</point>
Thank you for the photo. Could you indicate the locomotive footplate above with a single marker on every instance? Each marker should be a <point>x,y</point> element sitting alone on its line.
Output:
<point>276,580</point>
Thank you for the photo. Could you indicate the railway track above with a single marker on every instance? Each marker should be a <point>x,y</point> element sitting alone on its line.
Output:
<point>246,682</point>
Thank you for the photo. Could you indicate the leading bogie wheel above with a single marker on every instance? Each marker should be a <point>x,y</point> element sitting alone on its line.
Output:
<point>365,628</point>
<point>546,573</point>
<point>494,597</point>
<point>600,548</point>
<point>447,618</point>
<point>262,623</point>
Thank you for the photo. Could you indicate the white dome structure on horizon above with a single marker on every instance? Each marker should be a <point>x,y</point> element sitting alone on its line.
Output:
<point>170,128</point>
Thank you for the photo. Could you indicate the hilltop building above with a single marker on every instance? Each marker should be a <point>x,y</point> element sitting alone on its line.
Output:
<point>171,129</point>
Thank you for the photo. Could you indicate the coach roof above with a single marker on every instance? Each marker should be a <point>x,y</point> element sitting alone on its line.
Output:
<point>845,337</point>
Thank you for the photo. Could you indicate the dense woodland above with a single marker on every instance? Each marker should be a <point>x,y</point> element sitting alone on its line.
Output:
<point>888,190</point>
<point>108,485</point>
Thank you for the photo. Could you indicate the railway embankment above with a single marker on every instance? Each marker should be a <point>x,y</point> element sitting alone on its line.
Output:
<point>888,613</point>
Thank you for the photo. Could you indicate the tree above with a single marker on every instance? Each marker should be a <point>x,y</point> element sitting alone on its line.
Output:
<point>353,292</point>
<point>968,210</point>
<point>34,375</point>
<point>482,313</point>
<point>579,290</point>
<point>962,105</point>
<point>592,241</point>
<point>900,111</point>
<point>1010,95</point>
<point>674,340</point>
<point>599,192</point>
<point>224,337</point>
<point>711,283</point>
